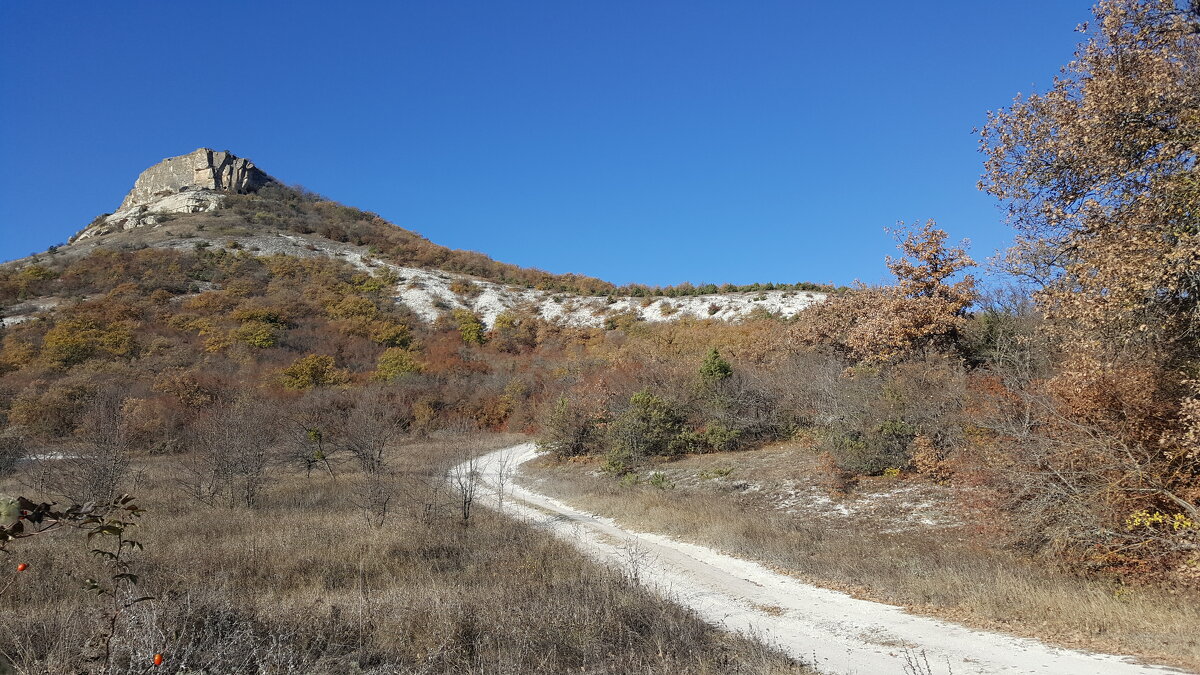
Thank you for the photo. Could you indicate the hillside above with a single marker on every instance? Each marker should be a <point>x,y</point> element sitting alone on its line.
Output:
<point>170,208</point>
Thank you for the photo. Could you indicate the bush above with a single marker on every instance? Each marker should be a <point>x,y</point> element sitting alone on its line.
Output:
<point>470,326</point>
<point>257,334</point>
<point>12,450</point>
<point>650,426</point>
<point>570,430</point>
<point>715,368</point>
<point>314,370</point>
<point>74,341</point>
<point>394,363</point>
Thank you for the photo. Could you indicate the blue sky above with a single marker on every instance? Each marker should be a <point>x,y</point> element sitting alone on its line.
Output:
<point>653,142</point>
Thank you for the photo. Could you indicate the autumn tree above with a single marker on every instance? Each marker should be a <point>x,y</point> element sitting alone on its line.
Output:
<point>1100,178</point>
<point>1101,182</point>
<point>925,308</point>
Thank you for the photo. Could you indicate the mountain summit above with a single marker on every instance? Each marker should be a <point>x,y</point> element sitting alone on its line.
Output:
<point>190,183</point>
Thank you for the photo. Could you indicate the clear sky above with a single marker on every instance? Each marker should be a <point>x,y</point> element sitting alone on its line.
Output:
<point>654,142</point>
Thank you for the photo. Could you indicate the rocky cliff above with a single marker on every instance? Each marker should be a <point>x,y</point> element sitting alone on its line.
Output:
<point>203,169</point>
<point>189,183</point>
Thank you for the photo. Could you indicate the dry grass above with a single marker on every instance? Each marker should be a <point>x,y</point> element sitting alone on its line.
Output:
<point>301,584</point>
<point>946,572</point>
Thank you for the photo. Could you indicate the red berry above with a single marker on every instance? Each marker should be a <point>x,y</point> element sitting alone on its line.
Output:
<point>22,567</point>
<point>158,659</point>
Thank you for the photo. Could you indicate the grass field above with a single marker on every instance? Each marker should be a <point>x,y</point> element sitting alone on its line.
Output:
<point>301,584</point>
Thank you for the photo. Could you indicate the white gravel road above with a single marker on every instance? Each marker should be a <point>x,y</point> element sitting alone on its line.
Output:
<point>829,630</point>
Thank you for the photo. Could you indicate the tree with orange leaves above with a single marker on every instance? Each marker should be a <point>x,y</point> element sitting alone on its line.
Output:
<point>1101,179</point>
<point>925,308</point>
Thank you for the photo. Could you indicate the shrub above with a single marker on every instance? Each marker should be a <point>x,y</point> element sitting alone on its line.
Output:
<point>721,439</point>
<point>465,288</point>
<point>390,334</point>
<point>314,370</point>
<point>12,450</point>
<point>871,453</point>
<point>570,430</point>
<point>257,334</point>
<point>74,341</point>
<point>513,333</point>
<point>715,368</point>
<point>470,326</point>
<point>649,426</point>
<point>395,363</point>
<point>659,480</point>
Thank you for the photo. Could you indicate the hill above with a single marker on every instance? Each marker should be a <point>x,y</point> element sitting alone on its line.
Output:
<point>217,201</point>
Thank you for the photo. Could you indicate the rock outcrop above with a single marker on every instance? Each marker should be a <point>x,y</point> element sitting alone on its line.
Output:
<point>203,169</point>
<point>190,183</point>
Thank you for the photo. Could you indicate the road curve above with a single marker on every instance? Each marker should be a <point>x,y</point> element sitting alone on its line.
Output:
<point>829,630</point>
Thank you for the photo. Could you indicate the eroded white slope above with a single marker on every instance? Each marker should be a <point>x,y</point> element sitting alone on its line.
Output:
<point>428,293</point>
<point>828,629</point>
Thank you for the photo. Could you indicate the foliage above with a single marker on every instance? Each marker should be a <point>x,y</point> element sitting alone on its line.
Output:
<point>314,370</point>
<point>715,369</point>
<point>925,309</point>
<point>257,334</point>
<point>649,426</point>
<point>514,333</point>
<point>394,363</point>
<point>1099,176</point>
<point>74,341</point>
<point>570,430</point>
<point>470,326</point>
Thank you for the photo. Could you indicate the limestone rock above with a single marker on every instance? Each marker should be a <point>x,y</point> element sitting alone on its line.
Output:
<point>190,183</point>
<point>203,169</point>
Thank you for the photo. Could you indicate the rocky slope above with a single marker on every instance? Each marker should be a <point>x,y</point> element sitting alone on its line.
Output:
<point>181,203</point>
<point>191,183</point>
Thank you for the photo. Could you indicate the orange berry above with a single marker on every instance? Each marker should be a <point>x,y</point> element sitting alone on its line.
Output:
<point>22,567</point>
<point>158,659</point>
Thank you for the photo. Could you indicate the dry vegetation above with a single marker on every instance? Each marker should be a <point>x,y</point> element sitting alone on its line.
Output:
<point>1067,411</point>
<point>302,583</point>
<point>726,500</point>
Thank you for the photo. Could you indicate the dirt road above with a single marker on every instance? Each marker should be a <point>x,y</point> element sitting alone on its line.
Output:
<point>827,629</point>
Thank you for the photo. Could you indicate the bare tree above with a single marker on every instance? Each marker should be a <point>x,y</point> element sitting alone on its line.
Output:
<point>231,454</point>
<point>12,451</point>
<point>464,479</point>
<point>308,429</point>
<point>95,468</point>
<point>504,467</point>
<point>371,427</point>
<point>373,495</point>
